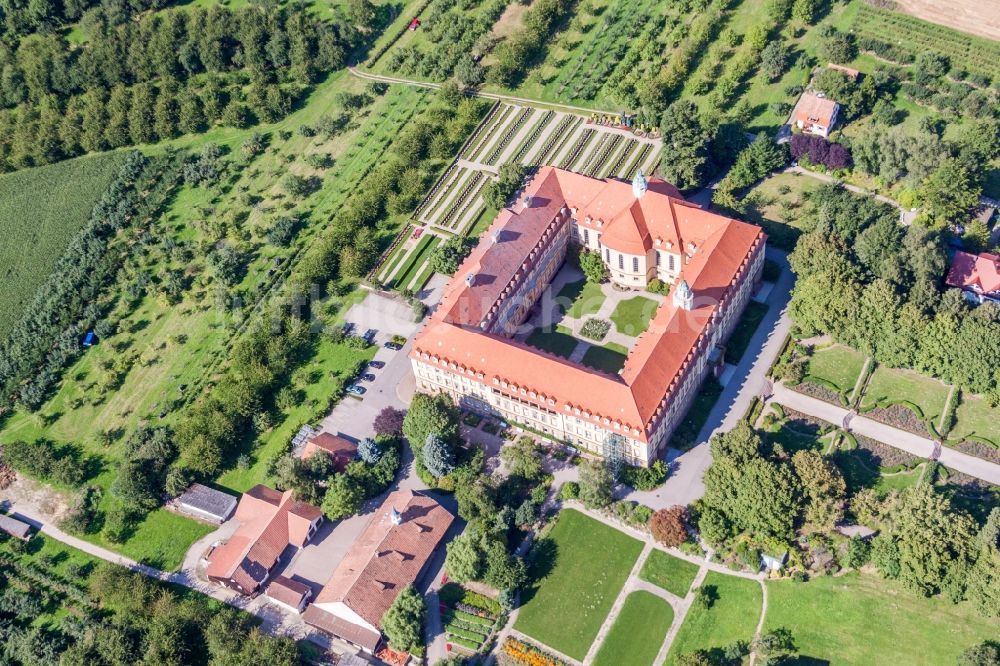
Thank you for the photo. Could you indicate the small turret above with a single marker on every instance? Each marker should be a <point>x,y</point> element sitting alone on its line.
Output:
<point>683,296</point>
<point>396,517</point>
<point>639,185</point>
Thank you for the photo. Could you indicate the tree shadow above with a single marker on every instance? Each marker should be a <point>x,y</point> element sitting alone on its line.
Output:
<point>860,468</point>
<point>541,561</point>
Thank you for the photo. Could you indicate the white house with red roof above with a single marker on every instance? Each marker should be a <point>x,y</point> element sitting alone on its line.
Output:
<point>815,115</point>
<point>977,275</point>
<point>269,522</point>
<point>643,229</point>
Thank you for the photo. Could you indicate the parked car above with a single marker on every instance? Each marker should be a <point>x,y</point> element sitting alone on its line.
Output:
<point>369,335</point>
<point>354,389</point>
<point>394,346</point>
<point>348,328</point>
<point>368,377</point>
<point>378,365</point>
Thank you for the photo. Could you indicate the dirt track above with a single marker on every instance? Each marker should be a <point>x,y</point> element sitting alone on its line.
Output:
<point>976,17</point>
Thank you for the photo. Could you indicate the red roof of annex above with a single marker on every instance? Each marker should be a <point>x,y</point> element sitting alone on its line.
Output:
<point>718,248</point>
<point>980,272</point>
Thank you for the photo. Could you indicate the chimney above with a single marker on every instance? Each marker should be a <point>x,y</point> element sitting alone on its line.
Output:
<point>396,517</point>
<point>470,279</point>
<point>527,201</point>
<point>496,237</point>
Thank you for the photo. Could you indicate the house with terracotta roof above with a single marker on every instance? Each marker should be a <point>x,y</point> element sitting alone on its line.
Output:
<point>642,230</point>
<point>270,522</point>
<point>289,593</point>
<point>390,554</point>
<point>814,114</point>
<point>977,275</point>
<point>341,450</point>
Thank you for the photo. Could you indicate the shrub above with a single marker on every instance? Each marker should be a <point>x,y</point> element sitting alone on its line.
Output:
<point>820,151</point>
<point>595,329</point>
<point>570,490</point>
<point>645,478</point>
<point>669,526</point>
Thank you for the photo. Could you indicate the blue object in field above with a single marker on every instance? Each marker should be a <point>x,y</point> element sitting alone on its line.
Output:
<point>89,340</point>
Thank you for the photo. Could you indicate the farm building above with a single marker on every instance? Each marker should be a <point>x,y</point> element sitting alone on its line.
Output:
<point>206,503</point>
<point>815,115</point>
<point>390,554</point>
<point>16,528</point>
<point>270,522</point>
<point>288,593</point>
<point>341,450</point>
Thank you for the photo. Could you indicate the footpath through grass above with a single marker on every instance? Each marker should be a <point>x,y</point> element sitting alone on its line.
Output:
<point>41,211</point>
<point>638,631</point>
<point>671,573</point>
<point>862,619</point>
<point>732,617</point>
<point>579,569</point>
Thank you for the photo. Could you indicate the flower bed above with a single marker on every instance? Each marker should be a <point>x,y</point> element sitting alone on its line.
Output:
<point>557,139</point>
<point>889,458</point>
<point>585,139</point>
<point>803,421</point>
<point>599,160</point>
<point>455,595</point>
<point>637,162</point>
<point>530,140</point>
<point>811,387</point>
<point>498,120</point>
<point>900,416</point>
<point>595,329</point>
<point>516,652</point>
<point>461,201</point>
<point>979,449</point>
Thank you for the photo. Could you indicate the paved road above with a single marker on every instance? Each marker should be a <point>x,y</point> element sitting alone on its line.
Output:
<point>685,482</point>
<point>922,447</point>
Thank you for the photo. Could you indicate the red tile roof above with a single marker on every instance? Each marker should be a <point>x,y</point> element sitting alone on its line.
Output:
<point>338,626</point>
<point>341,450</point>
<point>287,591</point>
<point>722,248</point>
<point>270,521</point>
<point>979,272</point>
<point>812,109</point>
<point>387,557</point>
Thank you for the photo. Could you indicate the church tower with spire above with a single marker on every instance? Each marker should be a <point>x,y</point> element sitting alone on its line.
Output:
<point>683,296</point>
<point>639,185</point>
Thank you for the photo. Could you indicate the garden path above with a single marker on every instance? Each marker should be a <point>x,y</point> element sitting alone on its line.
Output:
<point>760,623</point>
<point>681,609</point>
<point>922,447</point>
<point>616,608</point>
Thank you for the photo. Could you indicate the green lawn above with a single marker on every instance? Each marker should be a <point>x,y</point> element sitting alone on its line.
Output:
<point>863,619</point>
<point>893,385</point>
<point>836,364</point>
<point>579,569</point>
<point>733,617</point>
<point>578,299</point>
<point>161,540</point>
<point>747,326</point>
<point>671,573</point>
<point>609,358</point>
<point>974,416</point>
<point>41,211</point>
<point>638,631</point>
<point>632,316</point>
<point>559,342</point>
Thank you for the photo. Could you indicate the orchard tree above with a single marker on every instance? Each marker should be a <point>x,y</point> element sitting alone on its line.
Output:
<point>774,59</point>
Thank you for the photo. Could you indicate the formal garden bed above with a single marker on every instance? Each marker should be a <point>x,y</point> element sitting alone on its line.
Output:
<point>520,653</point>
<point>632,316</point>
<point>903,416</point>
<point>595,329</point>
<point>927,397</point>
<point>609,358</point>
<point>577,299</point>
<point>795,431</point>
<point>471,620</point>
<point>814,389</point>
<point>978,449</point>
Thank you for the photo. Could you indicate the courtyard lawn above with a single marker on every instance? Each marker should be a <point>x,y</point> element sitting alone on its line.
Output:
<point>610,358</point>
<point>747,326</point>
<point>579,569</point>
<point>892,386</point>
<point>584,298</point>
<point>559,342</point>
<point>671,573</point>
<point>837,365</point>
<point>637,632</point>
<point>860,618</point>
<point>974,416</point>
<point>732,617</point>
<point>632,316</point>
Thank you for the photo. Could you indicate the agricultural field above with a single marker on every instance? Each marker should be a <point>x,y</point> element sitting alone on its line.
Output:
<point>41,211</point>
<point>175,348</point>
<point>530,136</point>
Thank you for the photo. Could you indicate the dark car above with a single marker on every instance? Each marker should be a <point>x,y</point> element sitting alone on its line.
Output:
<point>354,389</point>
<point>348,328</point>
<point>394,346</point>
<point>368,377</point>
<point>369,335</point>
<point>378,365</point>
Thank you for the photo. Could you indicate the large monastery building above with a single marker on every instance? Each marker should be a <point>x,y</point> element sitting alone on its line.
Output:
<point>643,230</point>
